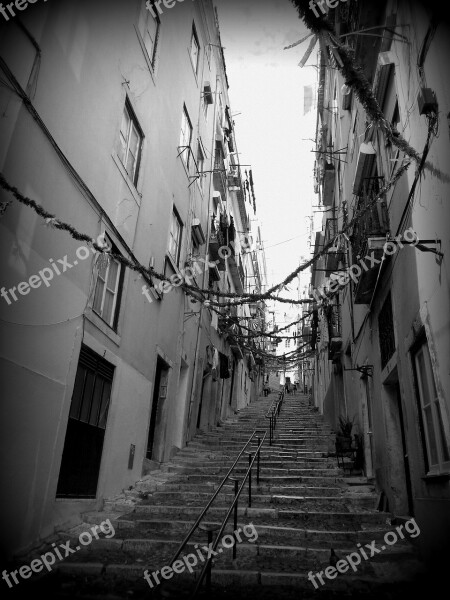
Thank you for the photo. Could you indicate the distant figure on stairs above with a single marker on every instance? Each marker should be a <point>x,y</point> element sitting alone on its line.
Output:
<point>294,389</point>
<point>288,385</point>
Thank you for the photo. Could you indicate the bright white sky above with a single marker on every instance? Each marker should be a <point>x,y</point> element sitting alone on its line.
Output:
<point>266,86</point>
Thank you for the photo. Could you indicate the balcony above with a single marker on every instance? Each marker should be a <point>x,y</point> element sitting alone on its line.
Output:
<point>236,272</point>
<point>216,241</point>
<point>329,180</point>
<point>334,332</point>
<point>373,223</point>
<point>333,257</point>
<point>219,176</point>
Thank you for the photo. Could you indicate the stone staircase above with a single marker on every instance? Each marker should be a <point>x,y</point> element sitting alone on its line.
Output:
<point>303,507</point>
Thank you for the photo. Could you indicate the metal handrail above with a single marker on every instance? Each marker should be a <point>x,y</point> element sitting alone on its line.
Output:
<point>207,568</point>
<point>273,413</point>
<point>214,496</point>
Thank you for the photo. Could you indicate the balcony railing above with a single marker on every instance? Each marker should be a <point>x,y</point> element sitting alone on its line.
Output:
<point>334,331</point>
<point>216,241</point>
<point>219,176</point>
<point>373,223</point>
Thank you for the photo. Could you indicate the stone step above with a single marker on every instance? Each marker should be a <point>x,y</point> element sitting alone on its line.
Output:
<point>265,462</point>
<point>265,479</point>
<point>305,502</point>
<point>320,519</point>
<point>265,471</point>
<point>156,553</point>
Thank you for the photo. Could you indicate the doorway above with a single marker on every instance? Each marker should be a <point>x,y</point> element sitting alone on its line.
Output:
<point>83,445</point>
<point>399,471</point>
<point>159,396</point>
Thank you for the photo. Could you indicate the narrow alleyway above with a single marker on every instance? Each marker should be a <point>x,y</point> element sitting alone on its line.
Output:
<point>303,507</point>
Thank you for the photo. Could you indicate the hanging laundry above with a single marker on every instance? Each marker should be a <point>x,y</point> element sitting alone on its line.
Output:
<point>209,355</point>
<point>231,231</point>
<point>215,364</point>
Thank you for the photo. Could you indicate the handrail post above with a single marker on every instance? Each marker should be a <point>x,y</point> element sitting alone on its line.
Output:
<point>208,571</point>
<point>250,456</point>
<point>257,464</point>
<point>236,486</point>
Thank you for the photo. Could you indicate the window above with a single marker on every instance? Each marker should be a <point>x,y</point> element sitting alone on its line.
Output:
<point>194,51</point>
<point>149,26</point>
<point>437,450</point>
<point>288,343</point>
<point>185,137</point>
<point>130,143</point>
<point>108,289</point>
<point>176,229</point>
<point>200,164</point>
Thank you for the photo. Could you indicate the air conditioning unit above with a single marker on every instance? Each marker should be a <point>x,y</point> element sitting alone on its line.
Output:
<point>426,99</point>
<point>197,232</point>
<point>207,93</point>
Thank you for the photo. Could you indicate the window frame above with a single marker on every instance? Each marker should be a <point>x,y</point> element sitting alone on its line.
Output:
<point>422,378</point>
<point>133,125</point>
<point>117,293</point>
<point>152,57</point>
<point>186,149</point>
<point>175,218</point>
<point>194,38</point>
<point>200,163</point>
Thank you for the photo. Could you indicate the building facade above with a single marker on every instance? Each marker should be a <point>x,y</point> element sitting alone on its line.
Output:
<point>380,301</point>
<point>116,119</point>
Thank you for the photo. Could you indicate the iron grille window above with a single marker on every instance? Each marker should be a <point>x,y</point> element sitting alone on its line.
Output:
<point>386,332</point>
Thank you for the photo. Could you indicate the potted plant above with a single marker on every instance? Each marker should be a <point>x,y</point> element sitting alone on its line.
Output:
<point>344,435</point>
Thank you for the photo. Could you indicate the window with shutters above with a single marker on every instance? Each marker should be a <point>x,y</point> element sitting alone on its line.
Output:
<point>108,288</point>
<point>130,143</point>
<point>436,445</point>
<point>149,26</point>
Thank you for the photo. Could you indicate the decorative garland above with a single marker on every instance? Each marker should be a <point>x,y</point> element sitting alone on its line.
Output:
<point>193,291</point>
